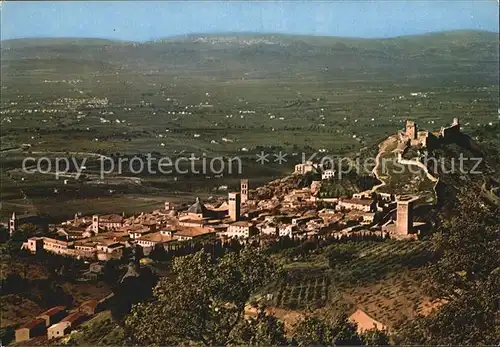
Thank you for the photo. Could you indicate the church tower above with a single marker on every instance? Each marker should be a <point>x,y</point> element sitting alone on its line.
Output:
<point>12,223</point>
<point>244,190</point>
<point>95,224</point>
<point>234,206</point>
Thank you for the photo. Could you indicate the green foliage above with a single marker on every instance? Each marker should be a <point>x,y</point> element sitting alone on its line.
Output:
<point>18,237</point>
<point>135,286</point>
<point>263,330</point>
<point>7,334</point>
<point>466,277</point>
<point>372,261</point>
<point>341,254</point>
<point>203,302</point>
<point>302,288</point>
<point>313,331</point>
<point>100,330</point>
<point>375,337</point>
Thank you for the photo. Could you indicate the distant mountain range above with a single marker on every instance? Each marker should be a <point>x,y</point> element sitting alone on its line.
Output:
<point>247,38</point>
<point>272,55</point>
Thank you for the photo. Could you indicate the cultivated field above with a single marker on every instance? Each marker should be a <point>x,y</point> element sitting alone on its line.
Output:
<point>382,278</point>
<point>232,95</point>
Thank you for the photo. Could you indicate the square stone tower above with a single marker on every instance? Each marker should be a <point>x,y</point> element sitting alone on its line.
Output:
<point>411,130</point>
<point>95,224</point>
<point>404,221</point>
<point>234,201</point>
<point>244,190</point>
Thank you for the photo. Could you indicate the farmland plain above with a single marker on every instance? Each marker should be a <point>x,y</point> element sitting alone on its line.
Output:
<point>222,96</point>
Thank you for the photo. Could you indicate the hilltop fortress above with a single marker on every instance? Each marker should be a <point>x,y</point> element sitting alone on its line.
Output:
<point>430,140</point>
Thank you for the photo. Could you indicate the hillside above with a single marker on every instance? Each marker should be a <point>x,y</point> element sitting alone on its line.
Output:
<point>279,55</point>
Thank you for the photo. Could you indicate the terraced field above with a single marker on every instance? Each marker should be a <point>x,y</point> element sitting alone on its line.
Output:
<point>382,277</point>
<point>302,290</point>
<point>378,261</point>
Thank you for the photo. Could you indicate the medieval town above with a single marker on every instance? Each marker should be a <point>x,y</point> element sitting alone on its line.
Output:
<point>244,216</point>
<point>270,213</point>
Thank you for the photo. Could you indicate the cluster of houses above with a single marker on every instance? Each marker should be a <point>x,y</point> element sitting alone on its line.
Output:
<point>243,215</point>
<point>290,213</point>
<point>60,105</point>
<point>294,215</point>
<point>57,322</point>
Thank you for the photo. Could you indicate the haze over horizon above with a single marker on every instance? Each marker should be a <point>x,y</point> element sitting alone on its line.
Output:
<point>151,20</point>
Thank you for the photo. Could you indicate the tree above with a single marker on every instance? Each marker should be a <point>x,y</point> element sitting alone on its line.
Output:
<point>204,300</point>
<point>316,331</point>
<point>135,286</point>
<point>374,337</point>
<point>264,330</point>
<point>340,254</point>
<point>466,278</point>
<point>20,236</point>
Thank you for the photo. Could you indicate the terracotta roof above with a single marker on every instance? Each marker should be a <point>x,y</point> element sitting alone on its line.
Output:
<point>116,245</point>
<point>364,202</point>
<point>56,241</point>
<point>52,311</point>
<point>157,237</point>
<point>85,243</point>
<point>138,228</point>
<point>241,224</point>
<point>107,241</point>
<point>110,218</point>
<point>192,231</point>
<point>72,317</point>
<point>191,220</point>
<point>90,303</point>
<point>32,324</point>
<point>223,207</point>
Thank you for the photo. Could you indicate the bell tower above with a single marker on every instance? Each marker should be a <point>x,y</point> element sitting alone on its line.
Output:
<point>95,224</point>
<point>244,190</point>
<point>12,223</point>
<point>234,206</point>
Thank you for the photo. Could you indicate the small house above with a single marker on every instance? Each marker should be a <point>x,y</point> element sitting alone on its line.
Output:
<point>53,315</point>
<point>30,330</point>
<point>89,307</point>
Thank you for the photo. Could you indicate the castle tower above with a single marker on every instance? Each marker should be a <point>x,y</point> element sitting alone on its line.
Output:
<point>244,190</point>
<point>456,123</point>
<point>12,223</point>
<point>404,221</point>
<point>234,206</point>
<point>411,130</point>
<point>95,223</point>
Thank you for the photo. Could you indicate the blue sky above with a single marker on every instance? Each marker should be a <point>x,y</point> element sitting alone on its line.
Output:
<point>147,20</point>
